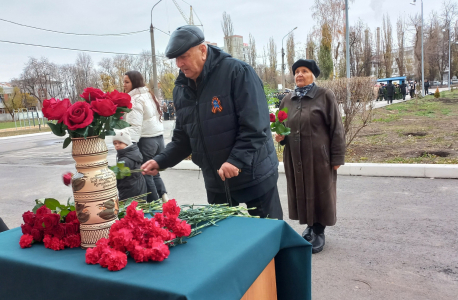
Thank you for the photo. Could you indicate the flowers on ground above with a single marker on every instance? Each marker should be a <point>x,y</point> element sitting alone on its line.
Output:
<point>144,239</point>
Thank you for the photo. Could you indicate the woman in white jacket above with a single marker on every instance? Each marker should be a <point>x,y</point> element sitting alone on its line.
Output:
<point>146,128</point>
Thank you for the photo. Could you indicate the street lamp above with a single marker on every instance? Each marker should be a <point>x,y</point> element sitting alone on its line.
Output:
<point>449,65</point>
<point>422,64</point>
<point>283,61</point>
<point>153,52</point>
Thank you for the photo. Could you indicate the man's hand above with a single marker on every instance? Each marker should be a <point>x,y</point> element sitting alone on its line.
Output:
<point>228,170</point>
<point>279,138</point>
<point>336,167</point>
<point>150,168</point>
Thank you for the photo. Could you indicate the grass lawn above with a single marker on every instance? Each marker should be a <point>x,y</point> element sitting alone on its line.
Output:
<point>25,131</point>
<point>417,131</point>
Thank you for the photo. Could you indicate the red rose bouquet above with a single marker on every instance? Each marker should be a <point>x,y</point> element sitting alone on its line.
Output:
<point>52,223</point>
<point>277,120</point>
<point>97,115</point>
<point>144,239</point>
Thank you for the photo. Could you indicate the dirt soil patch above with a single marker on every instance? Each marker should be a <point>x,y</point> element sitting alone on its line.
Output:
<point>416,131</point>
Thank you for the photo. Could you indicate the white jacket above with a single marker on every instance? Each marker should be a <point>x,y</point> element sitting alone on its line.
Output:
<point>144,118</point>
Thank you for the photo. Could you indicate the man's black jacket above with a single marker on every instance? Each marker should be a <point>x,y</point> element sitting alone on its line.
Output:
<point>225,119</point>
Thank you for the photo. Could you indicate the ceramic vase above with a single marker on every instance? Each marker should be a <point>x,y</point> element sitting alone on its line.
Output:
<point>94,190</point>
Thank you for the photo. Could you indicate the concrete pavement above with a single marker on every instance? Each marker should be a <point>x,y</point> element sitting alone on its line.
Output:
<point>395,238</point>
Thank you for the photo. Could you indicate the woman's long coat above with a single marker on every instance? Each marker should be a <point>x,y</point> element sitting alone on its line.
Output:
<point>316,143</point>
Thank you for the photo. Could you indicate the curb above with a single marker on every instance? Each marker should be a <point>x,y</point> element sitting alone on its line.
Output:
<point>375,170</point>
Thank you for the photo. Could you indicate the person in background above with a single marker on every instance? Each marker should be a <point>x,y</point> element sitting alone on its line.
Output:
<point>314,151</point>
<point>3,226</point>
<point>381,92</point>
<point>146,128</point>
<point>389,92</point>
<point>412,89</point>
<point>129,154</point>
<point>403,90</point>
<point>426,87</point>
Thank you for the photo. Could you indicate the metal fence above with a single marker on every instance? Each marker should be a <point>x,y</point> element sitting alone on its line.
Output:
<point>28,118</point>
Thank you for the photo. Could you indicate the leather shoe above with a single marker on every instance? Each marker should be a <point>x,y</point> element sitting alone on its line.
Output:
<point>317,242</point>
<point>307,234</point>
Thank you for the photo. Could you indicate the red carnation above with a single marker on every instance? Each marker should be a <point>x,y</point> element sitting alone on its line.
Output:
<point>58,231</point>
<point>43,210</point>
<point>26,241</point>
<point>79,115</point>
<point>72,241</point>
<point>171,209</point>
<point>53,243</point>
<point>71,216</point>
<point>28,217</point>
<point>103,107</point>
<point>272,117</point>
<point>51,220</point>
<point>67,178</point>
<point>120,99</point>
<point>90,94</point>
<point>159,251</point>
<point>116,260</point>
<point>54,109</point>
<point>282,116</point>
<point>26,229</point>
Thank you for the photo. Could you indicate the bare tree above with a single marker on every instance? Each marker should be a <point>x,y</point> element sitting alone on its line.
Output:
<point>228,31</point>
<point>252,51</point>
<point>272,55</point>
<point>357,111</point>
<point>400,33</point>
<point>387,45</point>
<point>367,60</point>
<point>290,55</point>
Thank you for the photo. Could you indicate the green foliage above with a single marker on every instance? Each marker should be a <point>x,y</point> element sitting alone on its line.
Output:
<point>269,92</point>
<point>324,55</point>
<point>55,206</point>
<point>120,170</point>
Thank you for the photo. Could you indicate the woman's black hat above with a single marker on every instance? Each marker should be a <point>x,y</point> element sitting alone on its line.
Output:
<point>309,64</point>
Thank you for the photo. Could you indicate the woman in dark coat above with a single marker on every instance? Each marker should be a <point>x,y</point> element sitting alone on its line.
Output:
<point>314,151</point>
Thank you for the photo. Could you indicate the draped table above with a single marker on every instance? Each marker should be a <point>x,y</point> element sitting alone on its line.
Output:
<point>221,263</point>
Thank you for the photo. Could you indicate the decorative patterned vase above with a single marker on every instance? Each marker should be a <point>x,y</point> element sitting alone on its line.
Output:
<point>94,190</point>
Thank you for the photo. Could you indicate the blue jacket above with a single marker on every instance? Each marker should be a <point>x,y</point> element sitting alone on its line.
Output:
<point>224,119</point>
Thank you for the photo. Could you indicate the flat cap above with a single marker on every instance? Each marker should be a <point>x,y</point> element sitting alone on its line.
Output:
<point>309,64</point>
<point>182,39</point>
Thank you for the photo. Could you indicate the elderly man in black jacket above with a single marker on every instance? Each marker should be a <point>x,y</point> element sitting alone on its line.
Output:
<point>223,121</point>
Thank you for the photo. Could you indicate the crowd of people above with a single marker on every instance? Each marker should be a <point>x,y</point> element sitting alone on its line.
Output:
<point>396,91</point>
<point>222,119</point>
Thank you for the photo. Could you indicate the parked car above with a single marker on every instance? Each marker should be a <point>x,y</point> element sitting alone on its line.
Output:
<point>454,81</point>
<point>445,83</point>
<point>436,83</point>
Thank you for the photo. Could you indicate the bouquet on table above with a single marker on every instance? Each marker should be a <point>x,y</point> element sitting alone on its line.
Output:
<point>277,120</point>
<point>52,223</point>
<point>98,114</point>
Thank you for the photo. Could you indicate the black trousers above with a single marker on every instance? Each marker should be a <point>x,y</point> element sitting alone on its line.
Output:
<point>150,147</point>
<point>389,99</point>
<point>404,96</point>
<point>265,206</point>
<point>3,226</point>
<point>426,91</point>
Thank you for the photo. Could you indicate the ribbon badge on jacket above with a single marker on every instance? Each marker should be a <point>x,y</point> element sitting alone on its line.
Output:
<point>216,105</point>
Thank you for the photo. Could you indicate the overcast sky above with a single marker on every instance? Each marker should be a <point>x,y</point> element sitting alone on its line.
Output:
<point>261,18</point>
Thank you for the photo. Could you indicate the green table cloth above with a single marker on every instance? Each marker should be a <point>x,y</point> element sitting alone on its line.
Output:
<point>221,263</point>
